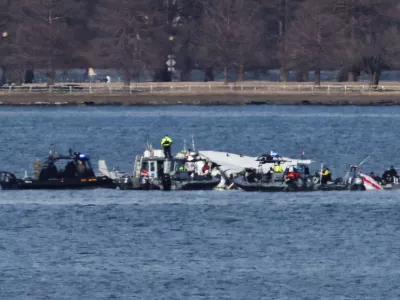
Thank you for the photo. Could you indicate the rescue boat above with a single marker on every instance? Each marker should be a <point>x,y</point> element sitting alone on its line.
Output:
<point>152,171</point>
<point>52,177</point>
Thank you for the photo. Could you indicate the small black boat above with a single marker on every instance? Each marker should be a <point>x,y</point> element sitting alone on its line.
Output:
<point>273,186</point>
<point>77,174</point>
<point>298,179</point>
<point>183,181</point>
<point>303,181</point>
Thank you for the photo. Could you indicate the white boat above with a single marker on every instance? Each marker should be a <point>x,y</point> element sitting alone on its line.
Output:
<point>152,171</point>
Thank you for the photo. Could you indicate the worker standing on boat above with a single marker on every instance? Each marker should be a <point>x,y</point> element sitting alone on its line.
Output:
<point>36,168</point>
<point>278,168</point>
<point>393,172</point>
<point>166,143</point>
<point>81,168</point>
<point>326,176</point>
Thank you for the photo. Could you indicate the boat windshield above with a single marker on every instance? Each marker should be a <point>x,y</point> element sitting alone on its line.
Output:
<point>303,169</point>
<point>88,164</point>
<point>145,165</point>
<point>179,165</point>
<point>300,168</point>
<point>152,167</point>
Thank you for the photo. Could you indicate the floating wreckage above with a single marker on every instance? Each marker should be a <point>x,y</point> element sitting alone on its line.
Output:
<point>231,165</point>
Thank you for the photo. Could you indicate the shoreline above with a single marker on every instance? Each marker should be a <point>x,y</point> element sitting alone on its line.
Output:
<point>202,94</point>
<point>210,99</point>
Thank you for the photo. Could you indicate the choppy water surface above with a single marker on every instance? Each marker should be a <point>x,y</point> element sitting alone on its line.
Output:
<point>105,244</point>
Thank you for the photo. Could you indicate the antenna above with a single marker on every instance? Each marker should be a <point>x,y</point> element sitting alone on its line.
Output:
<point>194,149</point>
<point>364,160</point>
<point>184,144</point>
<point>320,172</point>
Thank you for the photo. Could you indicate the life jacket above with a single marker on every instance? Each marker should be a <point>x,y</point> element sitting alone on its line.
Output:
<point>166,141</point>
<point>326,173</point>
<point>293,175</point>
<point>290,175</point>
<point>205,168</point>
<point>297,175</point>
<point>278,169</point>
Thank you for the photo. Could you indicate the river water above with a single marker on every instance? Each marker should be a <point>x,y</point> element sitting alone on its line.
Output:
<point>109,244</point>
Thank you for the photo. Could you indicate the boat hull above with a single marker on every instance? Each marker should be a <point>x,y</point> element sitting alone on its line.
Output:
<point>192,185</point>
<point>293,187</point>
<point>395,186</point>
<point>270,187</point>
<point>167,183</point>
<point>10,182</point>
<point>339,187</point>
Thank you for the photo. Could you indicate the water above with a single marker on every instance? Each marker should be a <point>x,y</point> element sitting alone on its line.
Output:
<point>106,244</point>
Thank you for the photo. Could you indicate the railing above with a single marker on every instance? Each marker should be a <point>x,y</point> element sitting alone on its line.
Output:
<point>199,88</point>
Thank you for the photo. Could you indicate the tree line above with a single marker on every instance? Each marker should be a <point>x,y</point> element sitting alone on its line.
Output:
<point>228,36</point>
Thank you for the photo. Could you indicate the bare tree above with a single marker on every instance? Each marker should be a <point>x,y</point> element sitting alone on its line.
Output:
<point>278,14</point>
<point>311,38</point>
<point>128,35</point>
<point>186,22</point>
<point>10,58</point>
<point>230,35</point>
<point>370,38</point>
<point>44,35</point>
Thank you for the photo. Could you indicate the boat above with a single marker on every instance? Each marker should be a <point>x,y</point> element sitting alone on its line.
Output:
<point>304,181</point>
<point>192,172</point>
<point>294,178</point>
<point>352,181</point>
<point>77,174</point>
<point>152,171</point>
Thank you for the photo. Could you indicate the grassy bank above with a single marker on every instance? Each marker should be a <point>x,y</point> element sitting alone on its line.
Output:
<point>196,93</point>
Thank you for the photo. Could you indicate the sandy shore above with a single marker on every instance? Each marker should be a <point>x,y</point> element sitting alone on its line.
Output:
<point>249,93</point>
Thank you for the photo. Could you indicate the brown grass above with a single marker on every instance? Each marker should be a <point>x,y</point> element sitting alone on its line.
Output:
<point>172,98</point>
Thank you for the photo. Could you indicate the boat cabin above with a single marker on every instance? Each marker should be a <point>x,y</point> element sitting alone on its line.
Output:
<point>270,158</point>
<point>76,165</point>
<point>303,169</point>
<point>252,175</point>
<point>153,164</point>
